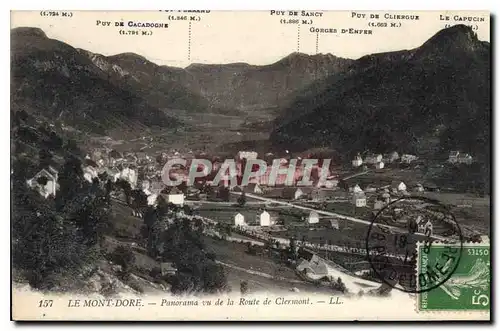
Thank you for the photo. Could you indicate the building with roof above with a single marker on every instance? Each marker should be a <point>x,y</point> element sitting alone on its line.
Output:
<point>465,158</point>
<point>167,269</point>
<point>359,199</point>
<point>45,182</point>
<point>378,205</point>
<point>264,219</point>
<point>174,196</point>
<point>453,156</point>
<point>252,188</point>
<point>418,188</point>
<point>390,157</point>
<point>398,186</point>
<point>313,218</point>
<point>379,165</point>
<point>357,189</point>
<point>239,220</point>
<point>408,158</point>
<point>292,193</point>
<point>248,155</point>
<point>373,158</point>
<point>357,161</point>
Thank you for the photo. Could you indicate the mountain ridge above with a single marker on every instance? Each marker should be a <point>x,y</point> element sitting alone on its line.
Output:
<point>52,79</point>
<point>397,100</point>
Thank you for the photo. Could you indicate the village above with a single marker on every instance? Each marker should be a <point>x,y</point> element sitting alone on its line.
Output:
<point>327,220</point>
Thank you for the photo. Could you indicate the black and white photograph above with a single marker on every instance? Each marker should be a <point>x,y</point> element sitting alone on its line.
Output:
<point>198,165</point>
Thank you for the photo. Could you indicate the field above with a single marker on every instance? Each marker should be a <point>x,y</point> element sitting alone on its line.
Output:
<point>261,272</point>
<point>471,211</point>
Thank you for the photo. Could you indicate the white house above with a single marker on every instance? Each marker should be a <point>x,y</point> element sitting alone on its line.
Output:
<point>113,174</point>
<point>152,199</point>
<point>145,185</point>
<point>247,155</point>
<point>357,161</point>
<point>130,175</point>
<point>465,159</point>
<point>334,224</point>
<point>265,219</point>
<point>167,268</point>
<point>408,158</point>
<point>423,225</point>
<point>175,197</point>
<point>418,188</point>
<point>89,173</point>
<point>313,218</point>
<point>379,165</point>
<point>253,188</point>
<point>386,197</point>
<point>399,186</point>
<point>329,183</point>
<point>453,156</point>
<point>370,188</point>
<point>45,182</point>
<point>378,205</point>
<point>239,220</point>
<point>373,158</point>
<point>391,157</point>
<point>457,157</point>
<point>359,199</point>
<point>357,189</point>
<point>292,193</point>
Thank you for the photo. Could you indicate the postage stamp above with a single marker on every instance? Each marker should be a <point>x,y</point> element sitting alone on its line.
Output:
<point>469,286</point>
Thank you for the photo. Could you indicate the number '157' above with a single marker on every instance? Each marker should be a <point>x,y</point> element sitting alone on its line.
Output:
<point>45,303</point>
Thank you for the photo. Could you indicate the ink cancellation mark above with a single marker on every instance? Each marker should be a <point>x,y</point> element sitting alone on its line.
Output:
<point>394,256</point>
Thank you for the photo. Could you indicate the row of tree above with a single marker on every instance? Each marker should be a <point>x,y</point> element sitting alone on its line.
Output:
<point>59,235</point>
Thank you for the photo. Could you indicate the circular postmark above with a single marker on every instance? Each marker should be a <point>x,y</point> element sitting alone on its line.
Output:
<point>414,244</point>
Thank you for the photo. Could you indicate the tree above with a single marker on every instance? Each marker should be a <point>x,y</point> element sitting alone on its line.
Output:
<point>197,270</point>
<point>44,158</point>
<point>243,287</point>
<point>224,193</point>
<point>251,249</point>
<point>70,181</point>
<point>242,199</point>
<point>127,189</point>
<point>124,257</point>
<point>140,200</point>
<point>339,285</point>
<point>44,243</point>
<point>292,249</point>
<point>187,210</point>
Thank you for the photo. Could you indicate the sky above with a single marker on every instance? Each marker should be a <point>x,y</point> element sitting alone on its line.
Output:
<point>255,37</point>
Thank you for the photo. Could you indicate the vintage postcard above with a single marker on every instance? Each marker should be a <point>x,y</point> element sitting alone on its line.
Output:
<point>250,165</point>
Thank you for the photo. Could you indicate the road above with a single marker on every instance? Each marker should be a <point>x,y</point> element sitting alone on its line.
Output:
<point>327,213</point>
<point>356,175</point>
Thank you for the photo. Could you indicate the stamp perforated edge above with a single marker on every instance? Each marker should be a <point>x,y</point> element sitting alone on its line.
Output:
<point>451,313</point>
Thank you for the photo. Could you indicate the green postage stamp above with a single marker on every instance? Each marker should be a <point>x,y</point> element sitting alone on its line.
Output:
<point>467,289</point>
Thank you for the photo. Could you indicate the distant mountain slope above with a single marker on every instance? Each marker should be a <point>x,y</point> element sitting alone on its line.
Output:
<point>430,99</point>
<point>127,93</point>
<point>161,86</point>
<point>217,88</point>
<point>54,80</point>
<point>244,86</point>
